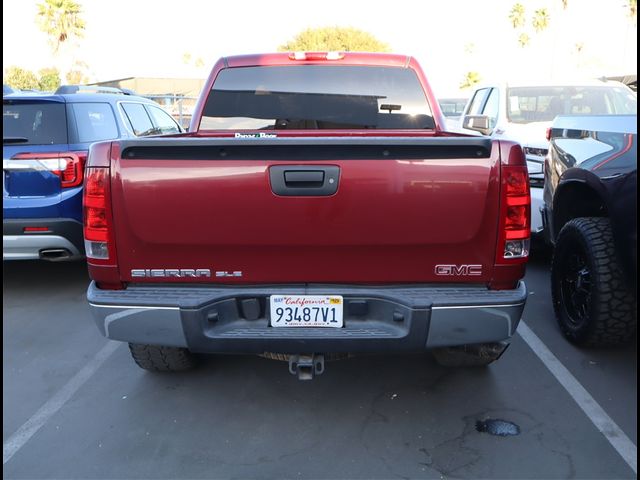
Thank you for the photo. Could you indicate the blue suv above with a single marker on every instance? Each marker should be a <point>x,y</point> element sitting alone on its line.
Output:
<point>46,139</point>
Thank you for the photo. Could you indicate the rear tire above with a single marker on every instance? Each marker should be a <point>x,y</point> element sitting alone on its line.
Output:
<point>156,358</point>
<point>592,302</point>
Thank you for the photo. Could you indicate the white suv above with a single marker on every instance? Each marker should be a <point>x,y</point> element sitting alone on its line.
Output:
<point>522,112</point>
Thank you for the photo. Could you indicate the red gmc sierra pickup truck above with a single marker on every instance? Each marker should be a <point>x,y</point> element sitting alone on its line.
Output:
<point>316,208</point>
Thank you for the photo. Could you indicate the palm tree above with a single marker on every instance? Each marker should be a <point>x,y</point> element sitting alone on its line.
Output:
<point>516,15</point>
<point>540,19</point>
<point>60,20</point>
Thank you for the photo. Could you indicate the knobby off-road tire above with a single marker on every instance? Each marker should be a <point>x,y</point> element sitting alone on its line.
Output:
<point>156,358</point>
<point>593,304</point>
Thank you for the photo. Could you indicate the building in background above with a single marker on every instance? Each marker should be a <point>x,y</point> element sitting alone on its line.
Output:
<point>177,95</point>
<point>629,80</point>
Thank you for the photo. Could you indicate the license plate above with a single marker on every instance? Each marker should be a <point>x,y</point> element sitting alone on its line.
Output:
<point>306,310</point>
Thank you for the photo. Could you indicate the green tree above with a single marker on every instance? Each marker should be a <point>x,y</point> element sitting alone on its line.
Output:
<point>540,20</point>
<point>343,39</point>
<point>517,16</point>
<point>470,79</point>
<point>76,77</point>
<point>60,20</point>
<point>20,78</point>
<point>49,79</point>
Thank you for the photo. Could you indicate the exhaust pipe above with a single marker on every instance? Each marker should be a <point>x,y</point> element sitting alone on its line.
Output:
<point>55,254</point>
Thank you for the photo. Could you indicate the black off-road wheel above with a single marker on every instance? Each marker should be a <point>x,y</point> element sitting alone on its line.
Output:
<point>592,302</point>
<point>156,358</point>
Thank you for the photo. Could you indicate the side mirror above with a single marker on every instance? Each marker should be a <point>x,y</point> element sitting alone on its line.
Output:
<point>479,123</point>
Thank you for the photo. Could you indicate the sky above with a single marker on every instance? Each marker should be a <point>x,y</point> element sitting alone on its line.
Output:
<point>124,38</point>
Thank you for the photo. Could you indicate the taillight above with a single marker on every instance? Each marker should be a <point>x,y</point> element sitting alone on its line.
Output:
<point>71,176</point>
<point>73,172</point>
<point>515,221</point>
<point>96,220</point>
<point>68,166</point>
<point>99,236</point>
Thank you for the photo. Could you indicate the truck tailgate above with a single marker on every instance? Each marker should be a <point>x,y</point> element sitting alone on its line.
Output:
<point>401,207</point>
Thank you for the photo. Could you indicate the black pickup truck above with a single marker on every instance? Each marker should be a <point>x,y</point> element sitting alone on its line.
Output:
<point>589,215</point>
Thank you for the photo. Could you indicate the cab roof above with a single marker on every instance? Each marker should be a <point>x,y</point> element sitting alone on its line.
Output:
<point>334,58</point>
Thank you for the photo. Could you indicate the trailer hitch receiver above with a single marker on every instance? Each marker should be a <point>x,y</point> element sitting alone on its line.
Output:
<point>306,366</point>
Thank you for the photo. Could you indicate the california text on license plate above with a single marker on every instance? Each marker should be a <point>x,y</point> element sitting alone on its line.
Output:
<point>306,310</point>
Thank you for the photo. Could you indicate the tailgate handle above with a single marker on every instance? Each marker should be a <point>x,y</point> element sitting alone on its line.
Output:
<point>311,178</point>
<point>304,180</point>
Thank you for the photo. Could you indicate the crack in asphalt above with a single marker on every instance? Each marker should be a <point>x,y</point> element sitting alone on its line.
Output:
<point>375,416</point>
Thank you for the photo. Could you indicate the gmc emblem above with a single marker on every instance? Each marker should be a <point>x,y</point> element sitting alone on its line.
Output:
<point>458,270</point>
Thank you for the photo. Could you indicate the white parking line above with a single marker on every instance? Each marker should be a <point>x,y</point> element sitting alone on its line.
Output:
<point>16,441</point>
<point>603,422</point>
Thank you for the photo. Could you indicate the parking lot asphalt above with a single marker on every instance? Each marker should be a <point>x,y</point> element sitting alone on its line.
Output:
<point>76,406</point>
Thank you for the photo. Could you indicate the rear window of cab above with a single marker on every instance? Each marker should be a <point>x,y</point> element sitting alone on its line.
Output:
<point>315,97</point>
